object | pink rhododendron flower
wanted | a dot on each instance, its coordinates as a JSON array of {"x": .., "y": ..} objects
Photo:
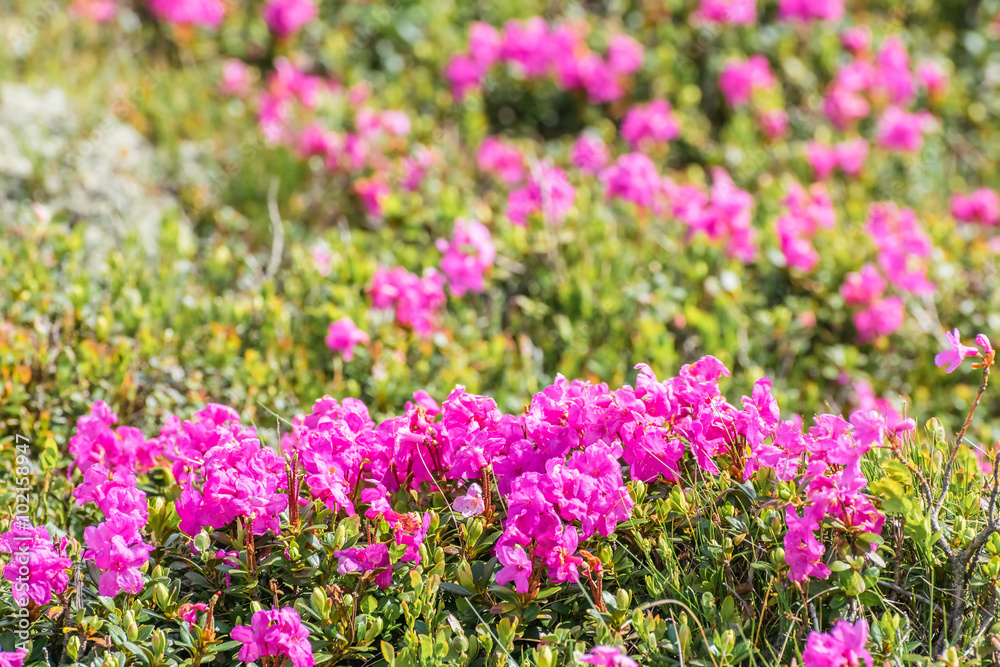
[
  {"x": 468, "y": 256},
  {"x": 982, "y": 206},
  {"x": 634, "y": 178},
  {"x": 343, "y": 336},
  {"x": 36, "y": 570},
  {"x": 95, "y": 442},
  {"x": 851, "y": 155},
  {"x": 893, "y": 71},
  {"x": 808, "y": 10},
  {"x": 589, "y": 153},
  {"x": 285, "y": 17},
  {"x": 861, "y": 288},
  {"x": 516, "y": 567},
  {"x": 484, "y": 44},
  {"x": 899, "y": 130},
  {"x": 235, "y": 78},
  {"x": 808, "y": 211},
  {"x": 880, "y": 319},
  {"x": 464, "y": 74},
  {"x": 774, "y": 123},
  {"x": 624, "y": 54},
  {"x": 206, "y": 13},
  {"x": 739, "y": 79},
  {"x": 984, "y": 342},
  {"x": 13, "y": 658},
  {"x": 275, "y": 632},
  {"x": 373, "y": 194},
  {"x": 934, "y": 77},
  {"x": 953, "y": 355},
  {"x": 416, "y": 299},
  {"x": 502, "y": 159},
  {"x": 822, "y": 159},
  {"x": 189, "y": 613},
  {"x": 373, "y": 558},
  {"x": 607, "y": 656},
  {"x": 101, "y": 11},
  {"x": 844, "y": 646},
  {"x": 650, "y": 124},
  {"x": 470, "y": 503},
  {"x": 118, "y": 550},
  {"x": 525, "y": 45},
  {"x": 732, "y": 12},
  {"x": 548, "y": 191},
  {"x": 904, "y": 247},
  {"x": 416, "y": 166},
  {"x": 857, "y": 39}
]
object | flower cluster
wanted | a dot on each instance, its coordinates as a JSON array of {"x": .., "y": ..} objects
[
  {"x": 741, "y": 78},
  {"x": 278, "y": 633},
  {"x": 547, "y": 191},
  {"x": 286, "y": 17},
  {"x": 981, "y": 206},
  {"x": 116, "y": 544},
  {"x": 205, "y": 13},
  {"x": 843, "y": 646},
  {"x": 414, "y": 299},
  {"x": 36, "y": 569},
  {"x": 225, "y": 472},
  {"x": 467, "y": 257},
  {"x": 646, "y": 125},
  {"x": 808, "y": 211},
  {"x": 95, "y": 443},
  {"x": 849, "y": 155},
  {"x": 904, "y": 251},
  {"x": 537, "y": 50}
]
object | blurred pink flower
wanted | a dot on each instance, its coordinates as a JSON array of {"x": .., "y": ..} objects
[
  {"x": 235, "y": 78},
  {"x": 733, "y": 12},
  {"x": 589, "y": 153},
  {"x": 899, "y": 130},
  {"x": 101, "y": 11},
  {"x": 625, "y": 55},
  {"x": 880, "y": 319},
  {"x": 468, "y": 256},
  {"x": 651, "y": 123},
  {"x": 285, "y": 17},
  {"x": 982, "y": 206},
  {"x": 808, "y": 10},
  {"x": 206, "y": 13},
  {"x": 343, "y": 336},
  {"x": 934, "y": 77},
  {"x": 739, "y": 79},
  {"x": 373, "y": 194},
  {"x": 608, "y": 656}
]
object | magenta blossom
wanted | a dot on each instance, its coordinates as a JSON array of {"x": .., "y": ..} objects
[
  {"x": 285, "y": 17},
  {"x": 469, "y": 255},
  {"x": 516, "y": 568},
  {"x": 844, "y": 646},
  {"x": 648, "y": 124},
  {"x": 344, "y": 335},
  {"x": 589, "y": 153},
  {"x": 471, "y": 503},
  {"x": 982, "y": 206},
  {"x": 235, "y": 78},
  {"x": 275, "y": 632},
  {"x": 607, "y": 656},
  {"x": 13, "y": 659},
  {"x": 953, "y": 355},
  {"x": 36, "y": 570},
  {"x": 733, "y": 12},
  {"x": 206, "y": 13}
]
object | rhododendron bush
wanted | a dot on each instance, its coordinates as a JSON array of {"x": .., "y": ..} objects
[{"x": 440, "y": 333}]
